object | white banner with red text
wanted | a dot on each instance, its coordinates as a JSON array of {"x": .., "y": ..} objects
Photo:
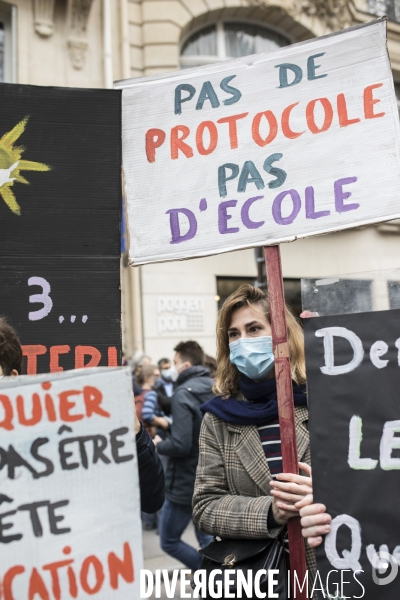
[{"x": 69, "y": 497}]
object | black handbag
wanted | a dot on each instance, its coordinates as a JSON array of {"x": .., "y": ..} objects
[{"x": 245, "y": 555}]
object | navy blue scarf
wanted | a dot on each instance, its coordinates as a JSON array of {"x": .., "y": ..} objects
[{"x": 261, "y": 408}]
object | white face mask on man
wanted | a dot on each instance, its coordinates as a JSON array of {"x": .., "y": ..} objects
[
  {"x": 166, "y": 374},
  {"x": 173, "y": 373}
]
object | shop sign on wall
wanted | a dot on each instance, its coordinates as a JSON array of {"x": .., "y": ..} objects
[
  {"x": 262, "y": 149},
  {"x": 180, "y": 314}
]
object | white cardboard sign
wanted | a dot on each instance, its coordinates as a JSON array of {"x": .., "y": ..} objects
[
  {"x": 262, "y": 149},
  {"x": 69, "y": 498}
]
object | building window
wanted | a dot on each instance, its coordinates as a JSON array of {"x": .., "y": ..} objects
[
  {"x": 394, "y": 294},
  {"x": 391, "y": 8},
  {"x": 292, "y": 290},
  {"x": 227, "y": 285},
  {"x": 336, "y": 296},
  {"x": 397, "y": 92},
  {"x": 8, "y": 16},
  {"x": 229, "y": 39}
]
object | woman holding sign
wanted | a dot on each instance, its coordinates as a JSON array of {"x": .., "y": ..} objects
[{"x": 240, "y": 491}]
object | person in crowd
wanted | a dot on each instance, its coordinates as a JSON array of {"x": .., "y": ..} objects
[
  {"x": 147, "y": 406},
  {"x": 152, "y": 417},
  {"x": 151, "y": 473},
  {"x": 211, "y": 365},
  {"x": 137, "y": 365},
  {"x": 193, "y": 388},
  {"x": 240, "y": 490},
  {"x": 164, "y": 386}
]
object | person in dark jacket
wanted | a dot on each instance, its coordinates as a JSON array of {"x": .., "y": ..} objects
[
  {"x": 151, "y": 472},
  {"x": 164, "y": 386},
  {"x": 193, "y": 388}
]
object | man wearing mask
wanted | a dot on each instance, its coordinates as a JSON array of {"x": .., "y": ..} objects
[
  {"x": 193, "y": 388},
  {"x": 164, "y": 386}
]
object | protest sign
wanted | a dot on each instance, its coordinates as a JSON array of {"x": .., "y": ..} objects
[
  {"x": 262, "y": 149},
  {"x": 69, "y": 499},
  {"x": 60, "y": 236},
  {"x": 353, "y": 379}
]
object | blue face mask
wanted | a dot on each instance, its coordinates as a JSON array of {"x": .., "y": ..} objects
[
  {"x": 166, "y": 374},
  {"x": 254, "y": 357}
]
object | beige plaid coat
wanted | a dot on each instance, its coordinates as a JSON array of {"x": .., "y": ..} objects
[{"x": 232, "y": 492}]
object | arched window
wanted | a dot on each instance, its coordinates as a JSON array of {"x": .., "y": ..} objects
[{"x": 228, "y": 39}]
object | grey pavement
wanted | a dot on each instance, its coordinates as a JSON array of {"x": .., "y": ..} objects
[{"x": 155, "y": 558}]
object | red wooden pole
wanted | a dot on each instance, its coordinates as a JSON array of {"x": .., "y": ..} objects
[{"x": 285, "y": 402}]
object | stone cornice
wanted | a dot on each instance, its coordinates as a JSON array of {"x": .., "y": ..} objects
[
  {"x": 43, "y": 14},
  {"x": 78, "y": 16}
]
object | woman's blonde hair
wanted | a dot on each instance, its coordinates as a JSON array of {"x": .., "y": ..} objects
[
  {"x": 145, "y": 373},
  {"x": 227, "y": 380}
]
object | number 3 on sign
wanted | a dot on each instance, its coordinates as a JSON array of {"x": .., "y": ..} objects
[{"x": 44, "y": 298}]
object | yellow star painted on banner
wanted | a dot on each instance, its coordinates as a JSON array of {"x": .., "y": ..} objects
[{"x": 11, "y": 165}]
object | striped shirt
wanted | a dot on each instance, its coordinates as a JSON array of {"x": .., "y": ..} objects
[
  {"x": 270, "y": 436},
  {"x": 271, "y": 442}
]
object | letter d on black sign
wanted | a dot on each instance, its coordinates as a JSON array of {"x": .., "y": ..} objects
[{"x": 328, "y": 333}]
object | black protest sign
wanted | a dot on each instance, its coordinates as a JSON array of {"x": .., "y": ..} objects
[
  {"x": 60, "y": 205},
  {"x": 353, "y": 377}
]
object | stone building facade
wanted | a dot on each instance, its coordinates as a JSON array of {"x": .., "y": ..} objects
[{"x": 90, "y": 43}]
